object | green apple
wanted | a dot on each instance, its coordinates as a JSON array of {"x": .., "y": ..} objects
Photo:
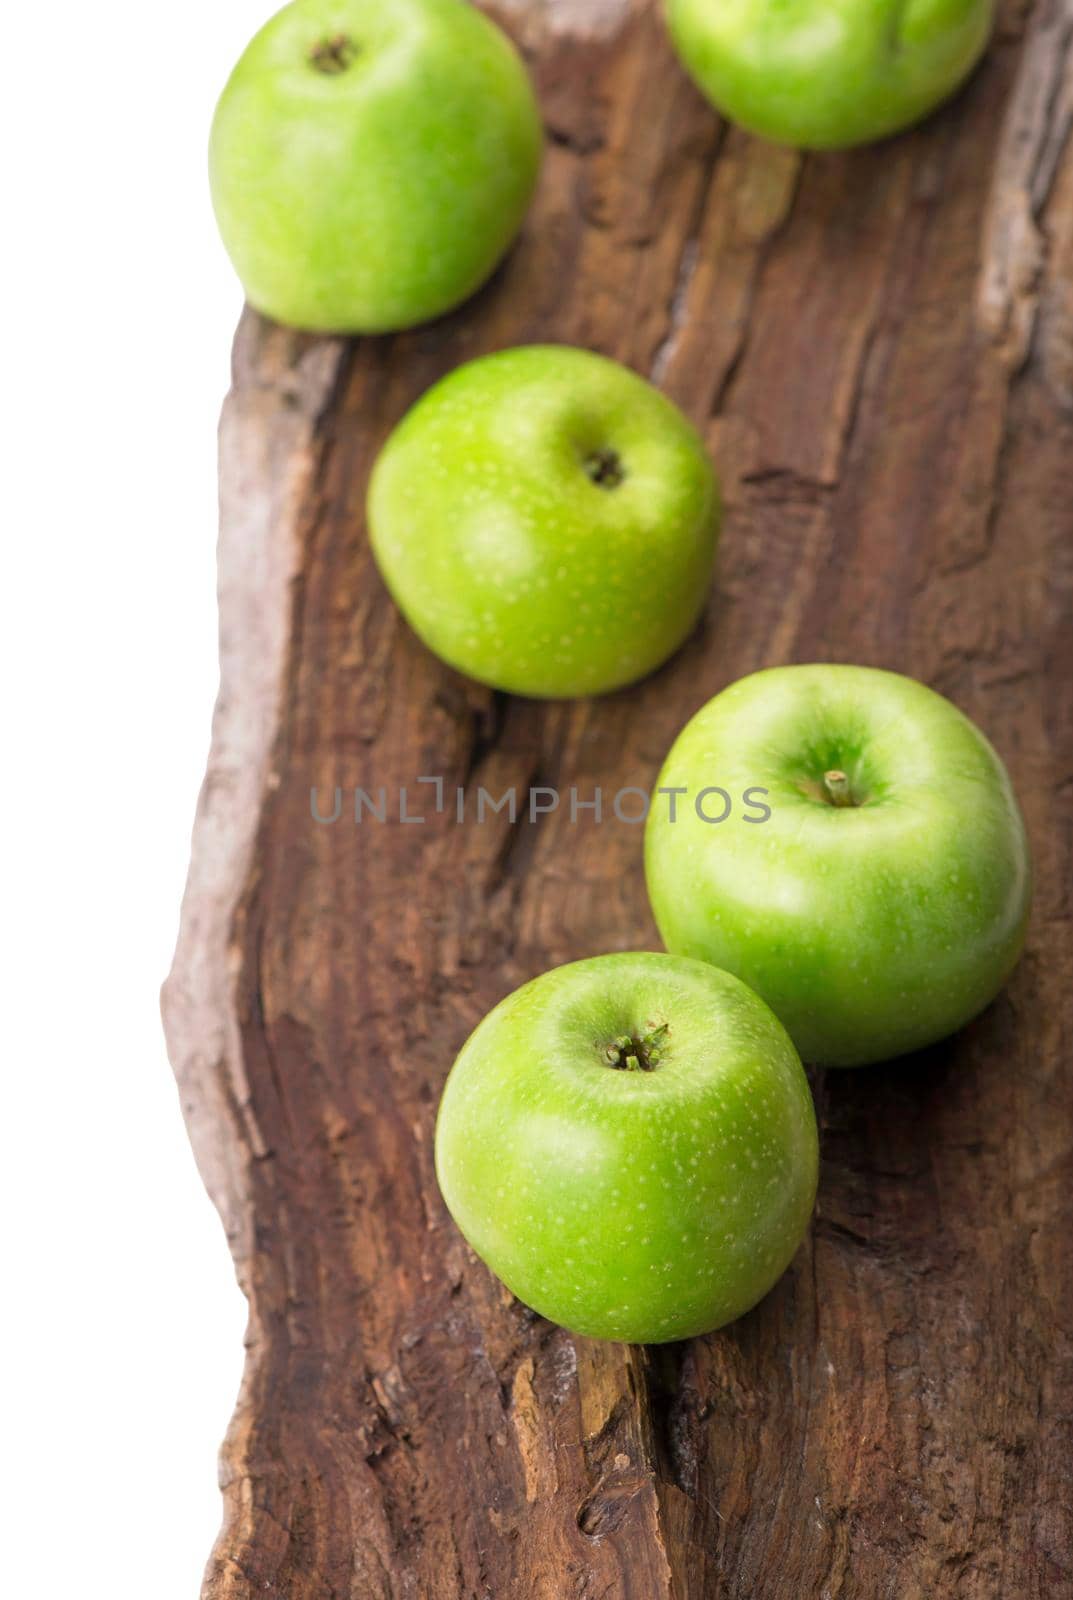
[
  {"x": 371, "y": 162},
  {"x": 629, "y": 1143},
  {"x": 883, "y": 902},
  {"x": 546, "y": 521},
  {"x": 828, "y": 73}
]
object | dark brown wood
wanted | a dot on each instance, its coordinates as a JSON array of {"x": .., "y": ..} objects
[{"x": 880, "y": 348}]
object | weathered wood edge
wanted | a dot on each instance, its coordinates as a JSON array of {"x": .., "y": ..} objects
[{"x": 282, "y": 384}]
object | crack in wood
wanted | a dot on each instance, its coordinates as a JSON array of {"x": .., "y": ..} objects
[{"x": 1035, "y": 133}]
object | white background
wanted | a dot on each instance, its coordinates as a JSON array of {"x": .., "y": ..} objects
[{"x": 122, "y": 1332}]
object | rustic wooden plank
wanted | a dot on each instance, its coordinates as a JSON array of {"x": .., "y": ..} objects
[{"x": 880, "y": 348}]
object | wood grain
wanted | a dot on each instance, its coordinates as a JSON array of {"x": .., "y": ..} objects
[{"x": 879, "y": 346}]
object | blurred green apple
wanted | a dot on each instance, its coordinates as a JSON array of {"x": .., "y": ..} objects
[
  {"x": 546, "y": 522},
  {"x": 370, "y": 162},
  {"x": 629, "y": 1143},
  {"x": 828, "y": 73},
  {"x": 883, "y": 902}
]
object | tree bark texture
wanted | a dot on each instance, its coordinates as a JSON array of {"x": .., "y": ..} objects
[{"x": 879, "y": 348}]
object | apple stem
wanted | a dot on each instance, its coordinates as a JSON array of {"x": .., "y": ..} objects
[
  {"x": 333, "y": 55},
  {"x": 836, "y": 788},
  {"x": 629, "y": 1054},
  {"x": 605, "y": 468}
]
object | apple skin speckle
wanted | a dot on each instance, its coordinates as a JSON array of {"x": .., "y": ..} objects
[
  {"x": 506, "y": 557},
  {"x": 565, "y": 1175}
]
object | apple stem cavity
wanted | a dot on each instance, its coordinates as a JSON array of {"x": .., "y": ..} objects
[
  {"x": 604, "y": 468},
  {"x": 836, "y": 788},
  {"x": 333, "y": 56},
  {"x": 628, "y": 1053}
]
